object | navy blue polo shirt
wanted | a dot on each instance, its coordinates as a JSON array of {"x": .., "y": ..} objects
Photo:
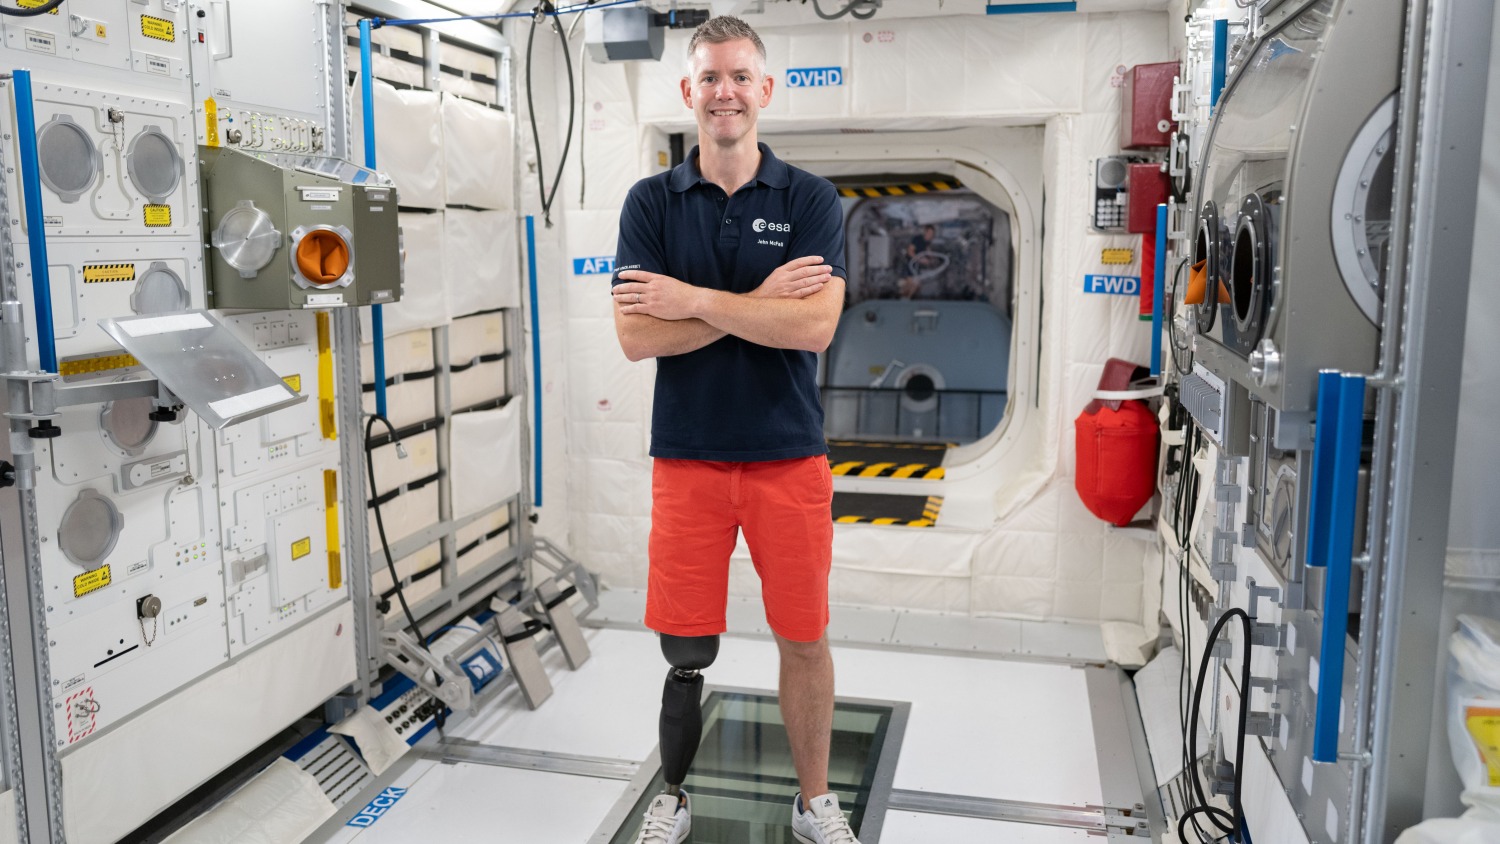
[{"x": 733, "y": 400}]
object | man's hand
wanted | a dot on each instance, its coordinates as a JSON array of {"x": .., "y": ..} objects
[
  {"x": 657, "y": 295},
  {"x": 796, "y": 279}
]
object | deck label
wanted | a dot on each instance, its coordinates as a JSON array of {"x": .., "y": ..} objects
[{"x": 378, "y": 807}]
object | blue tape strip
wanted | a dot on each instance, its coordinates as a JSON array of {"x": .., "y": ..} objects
[
  {"x": 1158, "y": 288},
  {"x": 1345, "y": 484},
  {"x": 1221, "y": 60},
  {"x": 1029, "y": 8},
  {"x": 36, "y": 223},
  {"x": 367, "y": 98},
  {"x": 536, "y": 360}
]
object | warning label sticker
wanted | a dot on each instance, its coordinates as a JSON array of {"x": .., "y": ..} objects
[
  {"x": 211, "y": 118},
  {"x": 294, "y": 381},
  {"x": 34, "y": 4},
  {"x": 301, "y": 548},
  {"x": 1484, "y": 727},
  {"x": 95, "y": 273},
  {"x": 161, "y": 30},
  {"x": 1117, "y": 257},
  {"x": 158, "y": 215},
  {"x": 91, "y": 581}
]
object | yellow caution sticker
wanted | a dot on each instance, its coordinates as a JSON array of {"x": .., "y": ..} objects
[
  {"x": 85, "y": 366},
  {"x": 33, "y": 4},
  {"x": 331, "y": 516},
  {"x": 100, "y": 32},
  {"x": 661, "y": 159},
  {"x": 302, "y": 547},
  {"x": 294, "y": 381},
  {"x": 158, "y": 215},
  {"x": 1484, "y": 727},
  {"x": 1117, "y": 257},
  {"x": 158, "y": 28},
  {"x": 96, "y": 273},
  {"x": 211, "y": 122},
  {"x": 91, "y": 581}
]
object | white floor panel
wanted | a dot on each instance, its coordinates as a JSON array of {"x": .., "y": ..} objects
[
  {"x": 912, "y": 828},
  {"x": 466, "y": 802},
  {"x": 979, "y": 727}
]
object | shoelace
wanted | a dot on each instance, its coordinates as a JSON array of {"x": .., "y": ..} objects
[
  {"x": 658, "y": 829},
  {"x": 835, "y": 830}
]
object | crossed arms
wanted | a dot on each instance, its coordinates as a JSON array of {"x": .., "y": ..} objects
[{"x": 797, "y": 307}]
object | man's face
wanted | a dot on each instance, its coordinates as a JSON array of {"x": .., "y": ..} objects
[{"x": 727, "y": 89}]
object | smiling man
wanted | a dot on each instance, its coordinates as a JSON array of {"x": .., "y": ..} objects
[{"x": 730, "y": 273}]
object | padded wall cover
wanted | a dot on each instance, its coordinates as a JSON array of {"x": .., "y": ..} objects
[
  {"x": 478, "y": 150},
  {"x": 481, "y": 261}
]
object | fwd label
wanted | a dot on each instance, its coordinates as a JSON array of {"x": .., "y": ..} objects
[{"x": 1119, "y": 285}]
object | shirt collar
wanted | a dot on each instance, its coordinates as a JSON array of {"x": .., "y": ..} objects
[{"x": 773, "y": 172}]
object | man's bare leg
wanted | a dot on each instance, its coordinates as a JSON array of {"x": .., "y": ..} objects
[{"x": 807, "y": 708}]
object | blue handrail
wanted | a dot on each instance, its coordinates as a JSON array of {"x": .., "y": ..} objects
[
  {"x": 367, "y": 96},
  {"x": 1221, "y": 60},
  {"x": 536, "y": 360},
  {"x": 1321, "y": 488},
  {"x": 1344, "y": 498},
  {"x": 36, "y": 223},
  {"x": 1159, "y": 289}
]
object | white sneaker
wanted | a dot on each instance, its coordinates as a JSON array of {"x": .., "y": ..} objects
[
  {"x": 667, "y": 820},
  {"x": 823, "y": 822}
]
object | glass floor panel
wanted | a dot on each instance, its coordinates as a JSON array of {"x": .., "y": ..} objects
[{"x": 742, "y": 781}]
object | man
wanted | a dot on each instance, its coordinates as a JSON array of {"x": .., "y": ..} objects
[
  {"x": 730, "y": 274},
  {"x": 918, "y": 258}
]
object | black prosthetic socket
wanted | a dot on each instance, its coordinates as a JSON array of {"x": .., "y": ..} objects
[
  {"x": 681, "y": 709},
  {"x": 681, "y": 723}
]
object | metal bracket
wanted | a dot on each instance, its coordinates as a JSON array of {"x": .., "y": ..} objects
[
  {"x": 1262, "y": 724},
  {"x": 521, "y": 657},
  {"x": 554, "y": 605}
]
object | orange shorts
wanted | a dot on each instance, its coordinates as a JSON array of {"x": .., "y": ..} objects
[{"x": 698, "y": 508}]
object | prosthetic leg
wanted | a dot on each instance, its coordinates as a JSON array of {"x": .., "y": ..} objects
[{"x": 681, "y": 703}]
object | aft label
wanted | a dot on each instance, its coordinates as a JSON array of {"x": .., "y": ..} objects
[
  {"x": 594, "y": 266},
  {"x": 1116, "y": 285},
  {"x": 814, "y": 77}
]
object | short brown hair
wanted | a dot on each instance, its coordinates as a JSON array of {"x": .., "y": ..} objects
[{"x": 724, "y": 28}]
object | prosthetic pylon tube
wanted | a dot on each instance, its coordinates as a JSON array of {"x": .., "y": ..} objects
[{"x": 681, "y": 723}]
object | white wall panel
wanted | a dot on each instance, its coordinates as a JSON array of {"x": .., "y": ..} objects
[
  {"x": 486, "y": 458},
  {"x": 408, "y": 142},
  {"x": 305, "y": 667},
  {"x": 481, "y": 261},
  {"x": 424, "y": 299},
  {"x": 477, "y": 145}
]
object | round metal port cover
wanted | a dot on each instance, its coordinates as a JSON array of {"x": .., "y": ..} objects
[
  {"x": 247, "y": 238},
  {"x": 89, "y": 529},
  {"x": 154, "y": 165},
  {"x": 69, "y": 159},
  {"x": 127, "y": 423},
  {"x": 159, "y": 291}
]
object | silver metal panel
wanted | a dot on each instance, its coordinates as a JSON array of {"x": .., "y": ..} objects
[
  {"x": 1454, "y": 70},
  {"x": 205, "y": 365},
  {"x": 525, "y": 663},
  {"x": 1120, "y": 772},
  {"x": 353, "y": 495},
  {"x": 452, "y": 750},
  {"x": 564, "y": 624}
]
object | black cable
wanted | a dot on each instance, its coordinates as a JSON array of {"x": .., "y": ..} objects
[
  {"x": 380, "y": 523},
  {"x": 857, "y": 8},
  {"x": 1180, "y": 353},
  {"x": 31, "y": 13},
  {"x": 542, "y": 11},
  {"x": 1216, "y": 815}
]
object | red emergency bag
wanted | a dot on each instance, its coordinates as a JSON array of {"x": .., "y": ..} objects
[{"x": 1118, "y": 437}]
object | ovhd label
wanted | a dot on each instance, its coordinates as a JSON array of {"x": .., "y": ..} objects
[
  {"x": 594, "y": 266},
  {"x": 377, "y": 808},
  {"x": 1118, "y": 285},
  {"x": 814, "y": 77}
]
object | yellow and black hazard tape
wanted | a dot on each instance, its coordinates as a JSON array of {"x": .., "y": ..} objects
[
  {"x": 903, "y": 190},
  {"x": 96, "y": 273},
  {"x": 929, "y": 517},
  {"x": 859, "y": 469}
]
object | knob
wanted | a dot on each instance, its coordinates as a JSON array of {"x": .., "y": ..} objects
[
  {"x": 1265, "y": 364},
  {"x": 44, "y": 430},
  {"x": 163, "y": 414},
  {"x": 7, "y": 474},
  {"x": 148, "y": 607}
]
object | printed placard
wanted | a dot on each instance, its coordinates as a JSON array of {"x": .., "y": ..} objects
[
  {"x": 158, "y": 216},
  {"x": 1117, "y": 257},
  {"x": 301, "y": 548},
  {"x": 814, "y": 77},
  {"x": 604, "y": 265},
  {"x": 294, "y": 381},
  {"x": 377, "y": 807},
  {"x": 161, "y": 30},
  {"x": 91, "y": 581}
]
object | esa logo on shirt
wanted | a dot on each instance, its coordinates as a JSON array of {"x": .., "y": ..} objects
[{"x": 761, "y": 225}]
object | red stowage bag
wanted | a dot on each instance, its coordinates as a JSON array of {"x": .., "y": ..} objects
[{"x": 1117, "y": 448}]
